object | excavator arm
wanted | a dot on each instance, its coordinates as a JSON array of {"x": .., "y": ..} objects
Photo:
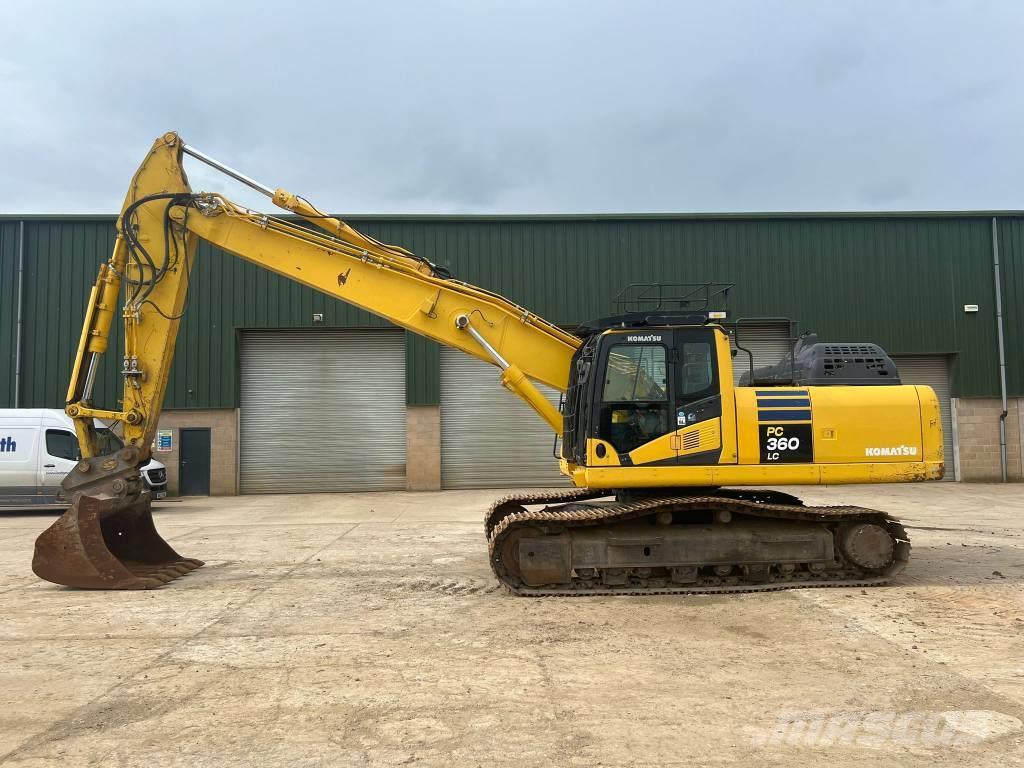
[{"x": 107, "y": 539}]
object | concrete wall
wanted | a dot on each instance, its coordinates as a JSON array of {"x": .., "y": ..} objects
[
  {"x": 423, "y": 448},
  {"x": 978, "y": 432},
  {"x": 976, "y": 419},
  {"x": 223, "y": 426}
]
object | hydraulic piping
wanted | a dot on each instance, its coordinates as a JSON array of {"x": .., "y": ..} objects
[{"x": 1002, "y": 348}]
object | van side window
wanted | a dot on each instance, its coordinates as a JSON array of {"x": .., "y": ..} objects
[{"x": 62, "y": 444}]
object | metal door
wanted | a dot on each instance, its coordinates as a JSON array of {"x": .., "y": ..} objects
[
  {"x": 194, "y": 462},
  {"x": 489, "y": 437},
  {"x": 322, "y": 410},
  {"x": 769, "y": 342},
  {"x": 933, "y": 370}
]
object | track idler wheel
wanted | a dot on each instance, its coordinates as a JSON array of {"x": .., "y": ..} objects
[
  {"x": 108, "y": 543},
  {"x": 867, "y": 545}
]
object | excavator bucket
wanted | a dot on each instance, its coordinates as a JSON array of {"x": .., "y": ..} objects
[{"x": 108, "y": 543}]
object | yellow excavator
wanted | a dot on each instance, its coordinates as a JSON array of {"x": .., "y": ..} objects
[{"x": 667, "y": 457}]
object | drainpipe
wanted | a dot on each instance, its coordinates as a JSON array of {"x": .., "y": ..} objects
[
  {"x": 21, "y": 295},
  {"x": 1002, "y": 349}
]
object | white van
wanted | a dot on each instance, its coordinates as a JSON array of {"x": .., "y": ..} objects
[{"x": 38, "y": 447}]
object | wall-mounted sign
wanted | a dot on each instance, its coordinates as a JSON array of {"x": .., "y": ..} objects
[{"x": 164, "y": 440}]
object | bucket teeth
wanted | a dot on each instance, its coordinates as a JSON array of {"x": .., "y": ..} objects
[
  {"x": 108, "y": 544},
  {"x": 174, "y": 570}
]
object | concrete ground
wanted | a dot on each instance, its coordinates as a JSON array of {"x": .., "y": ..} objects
[{"x": 366, "y": 629}]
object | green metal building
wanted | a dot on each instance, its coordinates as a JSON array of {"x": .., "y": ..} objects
[{"x": 255, "y": 350}]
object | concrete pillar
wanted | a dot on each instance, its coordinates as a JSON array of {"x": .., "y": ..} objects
[
  {"x": 423, "y": 448},
  {"x": 1020, "y": 435},
  {"x": 978, "y": 434}
]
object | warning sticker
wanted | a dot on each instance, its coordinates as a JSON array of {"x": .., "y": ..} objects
[{"x": 164, "y": 441}]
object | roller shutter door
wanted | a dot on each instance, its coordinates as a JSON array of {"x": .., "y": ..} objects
[
  {"x": 489, "y": 437},
  {"x": 932, "y": 370},
  {"x": 322, "y": 411},
  {"x": 769, "y": 342}
]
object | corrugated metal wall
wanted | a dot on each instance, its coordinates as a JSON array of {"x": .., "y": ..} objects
[
  {"x": 899, "y": 281},
  {"x": 1011, "y": 252},
  {"x": 8, "y": 308},
  {"x": 61, "y": 260}
]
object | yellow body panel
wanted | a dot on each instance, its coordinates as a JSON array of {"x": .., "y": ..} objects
[
  {"x": 696, "y": 438},
  {"x": 730, "y": 447},
  {"x": 594, "y": 457},
  {"x": 931, "y": 425},
  {"x": 855, "y": 425},
  {"x": 755, "y": 475},
  {"x": 842, "y": 434}
]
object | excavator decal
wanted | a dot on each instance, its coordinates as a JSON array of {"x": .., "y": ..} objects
[{"x": 792, "y": 443}]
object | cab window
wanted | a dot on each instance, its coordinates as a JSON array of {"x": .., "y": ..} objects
[
  {"x": 636, "y": 372},
  {"x": 635, "y": 407},
  {"x": 698, "y": 372},
  {"x": 62, "y": 444}
]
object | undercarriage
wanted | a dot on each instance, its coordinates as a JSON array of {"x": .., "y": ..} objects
[{"x": 585, "y": 542}]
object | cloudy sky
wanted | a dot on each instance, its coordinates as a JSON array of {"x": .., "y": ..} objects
[{"x": 549, "y": 107}]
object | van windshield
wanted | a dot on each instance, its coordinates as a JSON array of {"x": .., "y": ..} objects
[{"x": 108, "y": 442}]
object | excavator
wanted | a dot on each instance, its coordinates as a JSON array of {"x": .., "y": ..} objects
[{"x": 668, "y": 460}]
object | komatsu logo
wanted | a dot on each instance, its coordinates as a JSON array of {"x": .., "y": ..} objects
[
  {"x": 7, "y": 445},
  {"x": 893, "y": 450},
  {"x": 648, "y": 337}
]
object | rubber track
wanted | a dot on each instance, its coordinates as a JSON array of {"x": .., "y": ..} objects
[
  {"x": 506, "y": 505},
  {"x": 508, "y": 513}
]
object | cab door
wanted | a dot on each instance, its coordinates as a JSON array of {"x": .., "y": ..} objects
[
  {"x": 698, "y": 397},
  {"x": 633, "y": 408}
]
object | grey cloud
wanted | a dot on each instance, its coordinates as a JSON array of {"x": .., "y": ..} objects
[
  {"x": 886, "y": 192},
  {"x": 523, "y": 107}
]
